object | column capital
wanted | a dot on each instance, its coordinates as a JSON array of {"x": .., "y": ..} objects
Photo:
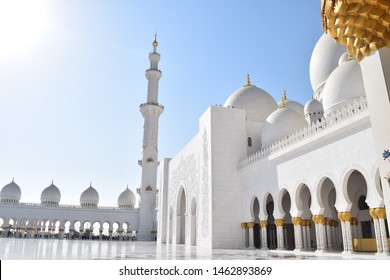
[
  {"x": 373, "y": 213},
  {"x": 263, "y": 224},
  {"x": 243, "y": 225},
  {"x": 347, "y": 216},
  {"x": 340, "y": 216},
  {"x": 380, "y": 212},
  {"x": 279, "y": 222},
  {"x": 297, "y": 221},
  {"x": 251, "y": 225}
]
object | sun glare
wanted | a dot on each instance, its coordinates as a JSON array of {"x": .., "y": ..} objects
[{"x": 20, "y": 24}]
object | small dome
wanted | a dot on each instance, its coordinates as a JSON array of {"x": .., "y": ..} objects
[
  {"x": 89, "y": 197},
  {"x": 293, "y": 105},
  {"x": 324, "y": 60},
  {"x": 51, "y": 195},
  {"x": 126, "y": 199},
  {"x": 257, "y": 103},
  {"x": 343, "y": 86},
  {"x": 280, "y": 124},
  {"x": 343, "y": 58},
  {"x": 10, "y": 193},
  {"x": 313, "y": 106}
]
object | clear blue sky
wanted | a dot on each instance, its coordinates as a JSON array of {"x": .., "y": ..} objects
[{"x": 69, "y": 98}]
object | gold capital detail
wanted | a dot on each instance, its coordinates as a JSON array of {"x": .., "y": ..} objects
[
  {"x": 263, "y": 224},
  {"x": 243, "y": 225},
  {"x": 279, "y": 222},
  {"x": 340, "y": 216},
  {"x": 297, "y": 221},
  {"x": 251, "y": 225},
  {"x": 373, "y": 214},
  {"x": 380, "y": 212},
  {"x": 347, "y": 216}
]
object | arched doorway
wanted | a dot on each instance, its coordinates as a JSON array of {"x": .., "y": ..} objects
[
  {"x": 271, "y": 228},
  {"x": 181, "y": 217},
  {"x": 288, "y": 227},
  {"x": 255, "y": 217}
]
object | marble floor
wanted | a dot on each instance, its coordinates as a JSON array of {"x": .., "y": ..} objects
[{"x": 53, "y": 249}]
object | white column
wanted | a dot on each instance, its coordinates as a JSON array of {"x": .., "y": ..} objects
[
  {"x": 279, "y": 234},
  {"x": 308, "y": 234},
  {"x": 297, "y": 222},
  {"x": 345, "y": 217},
  {"x": 328, "y": 228},
  {"x": 377, "y": 231},
  {"x": 334, "y": 224},
  {"x": 304, "y": 235},
  {"x": 263, "y": 226},
  {"x": 381, "y": 213},
  {"x": 251, "y": 229},
  {"x": 244, "y": 239}
]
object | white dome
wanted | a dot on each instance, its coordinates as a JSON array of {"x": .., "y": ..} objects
[
  {"x": 313, "y": 106},
  {"x": 293, "y": 105},
  {"x": 257, "y": 103},
  {"x": 280, "y": 124},
  {"x": 343, "y": 86},
  {"x": 324, "y": 60},
  {"x": 10, "y": 193},
  {"x": 51, "y": 194},
  {"x": 89, "y": 197},
  {"x": 126, "y": 199}
]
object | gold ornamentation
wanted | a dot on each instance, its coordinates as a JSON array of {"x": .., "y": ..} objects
[
  {"x": 363, "y": 26},
  {"x": 263, "y": 224},
  {"x": 380, "y": 212},
  {"x": 341, "y": 217},
  {"x": 373, "y": 214},
  {"x": 279, "y": 222},
  {"x": 347, "y": 216},
  {"x": 297, "y": 221},
  {"x": 248, "y": 80},
  {"x": 251, "y": 225},
  {"x": 155, "y": 43},
  {"x": 243, "y": 225}
]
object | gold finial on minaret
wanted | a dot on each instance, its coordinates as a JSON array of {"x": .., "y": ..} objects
[
  {"x": 350, "y": 57},
  {"x": 248, "y": 80},
  {"x": 155, "y": 43}
]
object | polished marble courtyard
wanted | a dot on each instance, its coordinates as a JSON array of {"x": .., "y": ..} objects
[{"x": 54, "y": 249}]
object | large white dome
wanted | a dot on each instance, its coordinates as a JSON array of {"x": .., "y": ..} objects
[
  {"x": 89, "y": 197},
  {"x": 126, "y": 199},
  {"x": 10, "y": 193},
  {"x": 324, "y": 59},
  {"x": 257, "y": 103},
  {"x": 51, "y": 195},
  {"x": 281, "y": 123},
  {"x": 343, "y": 86}
]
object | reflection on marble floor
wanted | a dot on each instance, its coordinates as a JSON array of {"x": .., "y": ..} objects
[{"x": 47, "y": 249}]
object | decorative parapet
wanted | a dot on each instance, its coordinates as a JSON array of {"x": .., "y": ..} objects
[
  {"x": 362, "y": 26},
  {"x": 310, "y": 130}
]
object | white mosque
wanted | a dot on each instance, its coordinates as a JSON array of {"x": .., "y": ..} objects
[
  {"x": 258, "y": 174},
  {"x": 280, "y": 175}
]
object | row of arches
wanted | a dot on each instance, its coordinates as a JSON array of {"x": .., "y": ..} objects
[
  {"x": 329, "y": 219},
  {"x": 182, "y": 225},
  {"x": 45, "y": 228}
]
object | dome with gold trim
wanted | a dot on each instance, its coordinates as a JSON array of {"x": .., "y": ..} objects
[{"x": 257, "y": 103}]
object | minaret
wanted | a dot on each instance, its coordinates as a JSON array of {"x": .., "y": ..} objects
[{"x": 151, "y": 111}]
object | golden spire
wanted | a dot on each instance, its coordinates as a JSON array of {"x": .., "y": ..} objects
[
  {"x": 155, "y": 43},
  {"x": 248, "y": 80},
  {"x": 284, "y": 98}
]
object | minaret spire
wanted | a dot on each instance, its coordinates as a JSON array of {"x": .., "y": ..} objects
[{"x": 151, "y": 111}]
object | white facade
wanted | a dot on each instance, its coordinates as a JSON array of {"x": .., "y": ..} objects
[{"x": 259, "y": 176}]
